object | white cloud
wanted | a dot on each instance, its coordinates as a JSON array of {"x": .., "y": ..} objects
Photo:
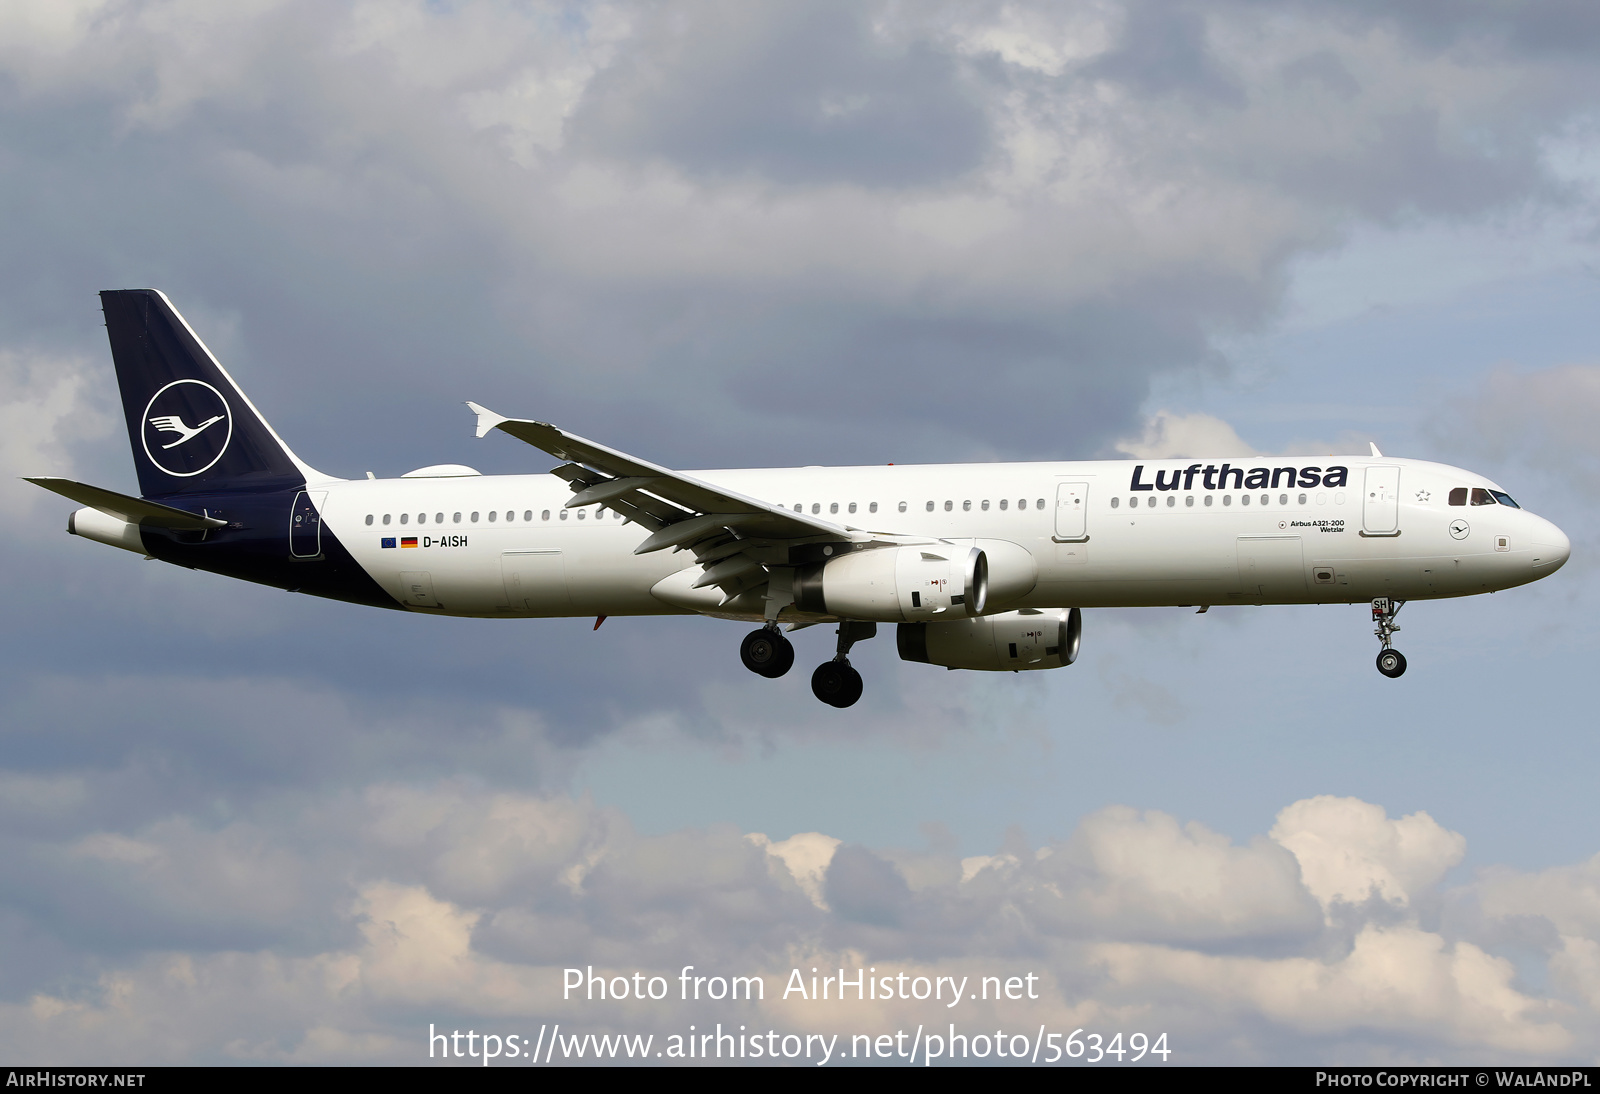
[
  {"x": 1135, "y": 921},
  {"x": 1171, "y": 436},
  {"x": 1349, "y": 850},
  {"x": 45, "y": 408}
]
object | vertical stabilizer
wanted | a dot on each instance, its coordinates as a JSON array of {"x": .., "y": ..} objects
[{"x": 192, "y": 429}]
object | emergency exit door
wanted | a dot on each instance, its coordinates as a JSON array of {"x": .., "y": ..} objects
[{"x": 1072, "y": 512}]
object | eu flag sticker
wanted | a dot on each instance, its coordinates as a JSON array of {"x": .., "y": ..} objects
[{"x": 387, "y": 541}]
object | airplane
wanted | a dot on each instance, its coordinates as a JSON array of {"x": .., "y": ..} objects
[{"x": 979, "y": 566}]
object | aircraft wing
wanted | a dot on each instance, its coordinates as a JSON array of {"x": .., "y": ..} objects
[
  {"x": 133, "y": 510},
  {"x": 730, "y": 534}
]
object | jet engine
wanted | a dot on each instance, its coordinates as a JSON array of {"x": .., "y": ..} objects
[
  {"x": 888, "y": 584},
  {"x": 1010, "y": 642},
  {"x": 932, "y": 581}
]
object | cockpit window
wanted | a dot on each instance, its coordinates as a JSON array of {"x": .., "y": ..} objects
[
  {"x": 1481, "y": 496},
  {"x": 1504, "y": 499},
  {"x": 1458, "y": 496}
]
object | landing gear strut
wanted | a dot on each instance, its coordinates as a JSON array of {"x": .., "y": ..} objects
[
  {"x": 767, "y": 653},
  {"x": 1391, "y": 662},
  {"x": 836, "y": 682}
]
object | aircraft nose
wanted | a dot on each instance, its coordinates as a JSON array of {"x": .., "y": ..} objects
[{"x": 1551, "y": 548}]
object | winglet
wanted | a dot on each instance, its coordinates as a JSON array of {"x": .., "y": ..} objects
[
  {"x": 1374, "y": 445},
  {"x": 487, "y": 419}
]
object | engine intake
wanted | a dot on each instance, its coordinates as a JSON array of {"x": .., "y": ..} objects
[{"x": 1009, "y": 642}]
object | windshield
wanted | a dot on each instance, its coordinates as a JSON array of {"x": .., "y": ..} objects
[{"x": 1504, "y": 499}]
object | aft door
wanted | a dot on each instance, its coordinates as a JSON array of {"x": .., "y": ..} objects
[
  {"x": 305, "y": 525},
  {"x": 1072, "y": 512},
  {"x": 1380, "y": 502}
]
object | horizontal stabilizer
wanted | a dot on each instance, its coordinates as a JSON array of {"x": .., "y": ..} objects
[{"x": 149, "y": 514}]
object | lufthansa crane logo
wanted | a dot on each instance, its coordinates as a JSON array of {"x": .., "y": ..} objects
[{"x": 187, "y": 427}]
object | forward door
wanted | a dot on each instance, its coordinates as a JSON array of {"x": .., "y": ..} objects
[{"x": 1380, "y": 502}]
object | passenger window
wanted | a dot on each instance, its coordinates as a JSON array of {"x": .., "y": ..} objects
[
  {"x": 902, "y": 507},
  {"x": 816, "y": 507},
  {"x": 1209, "y": 499},
  {"x": 369, "y": 519},
  {"x": 1151, "y": 503},
  {"x": 386, "y": 518},
  {"x": 966, "y": 506},
  {"x": 457, "y": 517},
  {"x": 528, "y": 515},
  {"x": 474, "y": 518},
  {"x": 930, "y": 507},
  {"x": 948, "y": 505},
  {"x": 1022, "y": 503},
  {"x": 1189, "y": 501},
  {"x": 1458, "y": 496},
  {"x": 1227, "y": 499},
  {"x": 1244, "y": 499},
  {"x": 852, "y": 507},
  {"x": 583, "y": 514},
  {"x": 1004, "y": 502},
  {"x": 1115, "y": 502},
  {"x": 564, "y": 514},
  {"x": 545, "y": 515},
  {"x": 1040, "y": 503},
  {"x": 422, "y": 518},
  {"x": 985, "y": 505},
  {"x": 1481, "y": 496},
  {"x": 405, "y": 518},
  {"x": 492, "y": 516},
  {"x": 513, "y": 516},
  {"x": 1283, "y": 499},
  {"x": 438, "y": 518},
  {"x": 1265, "y": 498},
  {"x": 873, "y": 507},
  {"x": 1171, "y": 501},
  {"x": 1302, "y": 499},
  {"x": 833, "y": 507}
]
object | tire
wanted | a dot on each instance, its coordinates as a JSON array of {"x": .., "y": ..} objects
[
  {"x": 766, "y": 653},
  {"x": 836, "y": 684},
  {"x": 1392, "y": 663}
]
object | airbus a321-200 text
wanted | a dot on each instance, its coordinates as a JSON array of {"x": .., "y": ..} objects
[{"x": 978, "y": 566}]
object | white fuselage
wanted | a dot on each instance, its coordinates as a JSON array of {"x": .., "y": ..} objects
[{"x": 504, "y": 545}]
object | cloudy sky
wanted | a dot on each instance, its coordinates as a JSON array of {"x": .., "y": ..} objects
[{"x": 240, "y": 826}]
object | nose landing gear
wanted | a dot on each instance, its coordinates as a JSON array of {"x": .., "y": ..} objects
[
  {"x": 1391, "y": 662},
  {"x": 767, "y": 653},
  {"x": 836, "y": 682}
]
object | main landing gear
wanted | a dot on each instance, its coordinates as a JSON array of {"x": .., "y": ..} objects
[
  {"x": 766, "y": 652},
  {"x": 836, "y": 682},
  {"x": 1391, "y": 662}
]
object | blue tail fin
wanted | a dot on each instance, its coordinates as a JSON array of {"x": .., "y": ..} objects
[{"x": 192, "y": 429}]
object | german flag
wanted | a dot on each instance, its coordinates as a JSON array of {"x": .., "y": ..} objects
[{"x": 408, "y": 541}]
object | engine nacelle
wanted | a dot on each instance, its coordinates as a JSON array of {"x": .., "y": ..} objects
[
  {"x": 1010, "y": 642},
  {"x": 891, "y": 584}
]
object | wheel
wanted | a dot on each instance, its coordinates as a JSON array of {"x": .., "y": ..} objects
[
  {"x": 1392, "y": 663},
  {"x": 836, "y": 683},
  {"x": 766, "y": 653}
]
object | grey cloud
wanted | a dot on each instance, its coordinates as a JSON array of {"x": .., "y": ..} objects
[
  {"x": 1162, "y": 50},
  {"x": 802, "y": 94}
]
